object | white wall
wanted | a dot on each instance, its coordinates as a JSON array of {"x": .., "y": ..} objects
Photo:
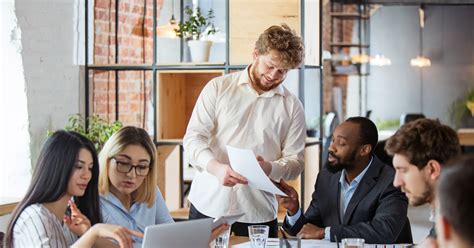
[
  {"x": 448, "y": 40},
  {"x": 49, "y": 40},
  {"x": 43, "y": 73}
]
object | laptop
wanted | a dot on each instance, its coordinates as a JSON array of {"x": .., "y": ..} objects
[{"x": 184, "y": 234}]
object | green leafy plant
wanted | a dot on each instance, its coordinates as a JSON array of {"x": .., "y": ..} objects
[
  {"x": 461, "y": 107},
  {"x": 312, "y": 126},
  {"x": 387, "y": 124},
  {"x": 312, "y": 123},
  {"x": 196, "y": 25},
  {"x": 98, "y": 130}
]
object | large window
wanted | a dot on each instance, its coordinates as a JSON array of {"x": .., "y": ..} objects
[{"x": 15, "y": 163}]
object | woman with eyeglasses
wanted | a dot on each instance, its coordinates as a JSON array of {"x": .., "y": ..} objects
[
  {"x": 67, "y": 168},
  {"x": 128, "y": 183}
]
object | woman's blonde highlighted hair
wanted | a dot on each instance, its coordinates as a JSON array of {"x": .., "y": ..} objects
[{"x": 117, "y": 142}]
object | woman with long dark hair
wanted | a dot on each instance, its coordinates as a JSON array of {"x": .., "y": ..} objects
[{"x": 66, "y": 168}]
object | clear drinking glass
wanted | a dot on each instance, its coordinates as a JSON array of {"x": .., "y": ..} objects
[
  {"x": 258, "y": 235},
  {"x": 353, "y": 243},
  {"x": 290, "y": 242},
  {"x": 222, "y": 241}
]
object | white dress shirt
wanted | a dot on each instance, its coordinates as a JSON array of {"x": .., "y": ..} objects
[
  {"x": 230, "y": 112},
  {"x": 38, "y": 227}
]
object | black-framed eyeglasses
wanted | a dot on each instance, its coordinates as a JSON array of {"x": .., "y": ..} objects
[{"x": 126, "y": 167}]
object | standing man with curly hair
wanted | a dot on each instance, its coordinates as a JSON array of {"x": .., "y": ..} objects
[
  {"x": 420, "y": 149},
  {"x": 249, "y": 109}
]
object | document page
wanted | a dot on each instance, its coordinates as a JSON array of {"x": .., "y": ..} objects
[{"x": 245, "y": 163}]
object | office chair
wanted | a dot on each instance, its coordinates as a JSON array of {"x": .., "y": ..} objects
[
  {"x": 330, "y": 123},
  {"x": 407, "y": 117}
]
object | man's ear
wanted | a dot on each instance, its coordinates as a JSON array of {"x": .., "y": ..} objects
[
  {"x": 254, "y": 54},
  {"x": 434, "y": 169},
  {"x": 365, "y": 150}
]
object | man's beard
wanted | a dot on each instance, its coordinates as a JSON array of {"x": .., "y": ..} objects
[
  {"x": 423, "y": 198},
  {"x": 338, "y": 164},
  {"x": 256, "y": 80}
]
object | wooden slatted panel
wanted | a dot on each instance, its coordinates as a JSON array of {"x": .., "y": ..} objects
[{"x": 249, "y": 18}]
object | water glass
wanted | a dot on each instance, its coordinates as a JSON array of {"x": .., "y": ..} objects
[
  {"x": 353, "y": 243},
  {"x": 222, "y": 241},
  {"x": 258, "y": 235},
  {"x": 290, "y": 242}
]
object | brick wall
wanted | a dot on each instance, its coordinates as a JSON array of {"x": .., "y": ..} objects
[
  {"x": 135, "y": 47},
  {"x": 331, "y": 81},
  {"x": 135, "y": 43}
]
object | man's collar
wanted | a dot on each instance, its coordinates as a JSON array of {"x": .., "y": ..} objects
[{"x": 359, "y": 177}]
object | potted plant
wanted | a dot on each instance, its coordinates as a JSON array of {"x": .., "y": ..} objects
[
  {"x": 462, "y": 110},
  {"x": 194, "y": 29},
  {"x": 312, "y": 126},
  {"x": 98, "y": 130}
]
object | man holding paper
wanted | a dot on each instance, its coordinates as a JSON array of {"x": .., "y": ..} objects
[
  {"x": 250, "y": 109},
  {"x": 354, "y": 197}
]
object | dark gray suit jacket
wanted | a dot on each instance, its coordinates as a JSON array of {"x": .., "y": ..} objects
[{"x": 377, "y": 212}]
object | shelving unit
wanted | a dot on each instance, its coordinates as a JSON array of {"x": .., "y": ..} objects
[
  {"x": 346, "y": 14},
  {"x": 176, "y": 87}
]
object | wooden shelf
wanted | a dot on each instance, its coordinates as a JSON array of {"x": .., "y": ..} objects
[
  {"x": 7, "y": 205},
  {"x": 120, "y": 67},
  {"x": 466, "y": 136},
  {"x": 342, "y": 44},
  {"x": 338, "y": 74},
  {"x": 160, "y": 142},
  {"x": 348, "y": 15},
  {"x": 162, "y": 67}
]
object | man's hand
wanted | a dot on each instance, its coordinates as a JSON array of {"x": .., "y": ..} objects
[
  {"x": 290, "y": 203},
  {"x": 310, "y": 231},
  {"x": 266, "y": 166},
  {"x": 218, "y": 231},
  {"x": 225, "y": 174}
]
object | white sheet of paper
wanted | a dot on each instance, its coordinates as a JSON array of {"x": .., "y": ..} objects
[{"x": 245, "y": 163}]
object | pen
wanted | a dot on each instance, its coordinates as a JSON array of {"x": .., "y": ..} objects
[
  {"x": 337, "y": 242},
  {"x": 287, "y": 244}
]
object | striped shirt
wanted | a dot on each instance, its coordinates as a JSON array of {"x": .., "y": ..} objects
[{"x": 38, "y": 227}]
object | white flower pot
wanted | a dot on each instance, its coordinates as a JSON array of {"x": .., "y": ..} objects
[{"x": 200, "y": 50}]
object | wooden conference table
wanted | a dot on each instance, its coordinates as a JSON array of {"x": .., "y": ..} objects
[
  {"x": 235, "y": 240},
  {"x": 466, "y": 136}
]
